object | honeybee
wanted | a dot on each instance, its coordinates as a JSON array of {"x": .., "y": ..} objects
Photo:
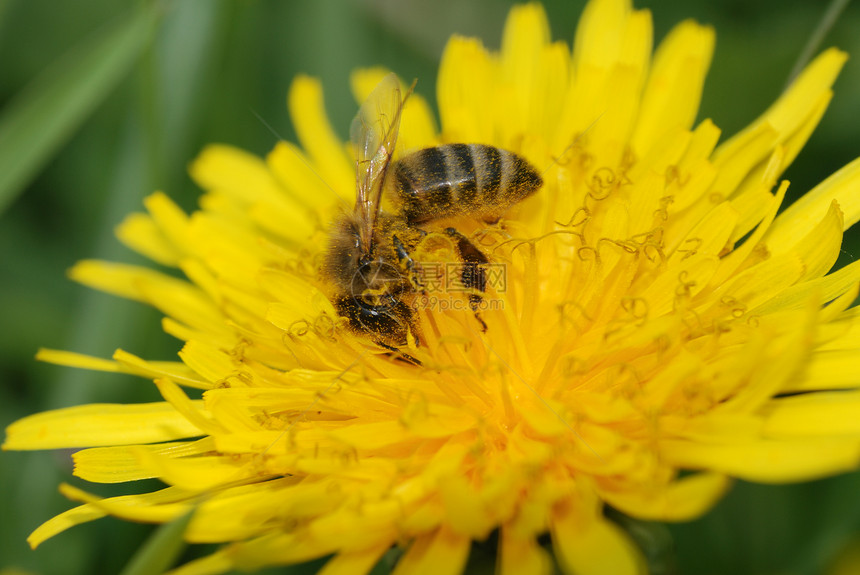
[{"x": 368, "y": 263}]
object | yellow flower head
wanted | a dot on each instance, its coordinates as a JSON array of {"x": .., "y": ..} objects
[{"x": 649, "y": 326}]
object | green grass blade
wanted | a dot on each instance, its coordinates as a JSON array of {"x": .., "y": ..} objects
[
  {"x": 161, "y": 549},
  {"x": 46, "y": 113}
]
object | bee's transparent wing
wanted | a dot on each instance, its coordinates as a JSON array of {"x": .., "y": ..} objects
[{"x": 374, "y": 135}]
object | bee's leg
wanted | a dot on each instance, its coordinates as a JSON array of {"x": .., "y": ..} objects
[
  {"x": 474, "y": 274},
  {"x": 406, "y": 261},
  {"x": 399, "y": 354},
  {"x": 403, "y": 254}
]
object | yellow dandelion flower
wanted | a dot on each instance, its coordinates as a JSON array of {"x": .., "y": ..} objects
[{"x": 657, "y": 326}]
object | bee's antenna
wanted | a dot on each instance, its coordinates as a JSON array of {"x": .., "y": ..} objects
[
  {"x": 410, "y": 89},
  {"x": 267, "y": 125},
  {"x": 573, "y": 143},
  {"x": 299, "y": 156}
]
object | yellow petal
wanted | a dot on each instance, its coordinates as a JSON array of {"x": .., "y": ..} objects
[
  {"x": 824, "y": 288},
  {"x": 305, "y": 102},
  {"x": 372, "y": 435},
  {"x": 214, "y": 564},
  {"x": 753, "y": 199},
  {"x": 783, "y": 361},
  {"x": 596, "y": 547},
  {"x": 600, "y": 37},
  {"x": 693, "y": 176},
  {"x": 67, "y": 519},
  {"x": 804, "y": 214},
  {"x": 235, "y": 172},
  {"x": 830, "y": 369},
  {"x": 710, "y": 236},
  {"x": 760, "y": 284},
  {"x": 795, "y": 142},
  {"x": 99, "y": 424},
  {"x": 465, "y": 76},
  {"x": 734, "y": 260},
  {"x": 277, "y": 547},
  {"x": 612, "y": 51},
  {"x": 175, "y": 371},
  {"x": 80, "y": 360},
  {"x": 674, "y": 87},
  {"x": 529, "y": 70},
  {"x": 831, "y": 414},
  {"x": 117, "y": 464},
  {"x": 465, "y": 509},
  {"x": 239, "y": 512},
  {"x": 171, "y": 220},
  {"x": 368, "y": 527},
  {"x": 354, "y": 563},
  {"x": 158, "y": 507},
  {"x": 735, "y": 164},
  {"x": 768, "y": 461},
  {"x": 296, "y": 173},
  {"x": 822, "y": 245},
  {"x": 682, "y": 500},
  {"x": 297, "y": 300},
  {"x": 140, "y": 233},
  {"x": 189, "y": 409},
  {"x": 198, "y": 474},
  {"x": 174, "y": 297},
  {"x": 440, "y": 553},
  {"x": 518, "y": 555},
  {"x": 211, "y": 362},
  {"x": 165, "y": 498}
]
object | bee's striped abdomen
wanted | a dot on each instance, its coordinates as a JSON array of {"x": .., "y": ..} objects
[{"x": 460, "y": 179}]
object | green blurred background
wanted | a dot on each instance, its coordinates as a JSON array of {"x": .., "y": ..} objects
[{"x": 104, "y": 101}]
